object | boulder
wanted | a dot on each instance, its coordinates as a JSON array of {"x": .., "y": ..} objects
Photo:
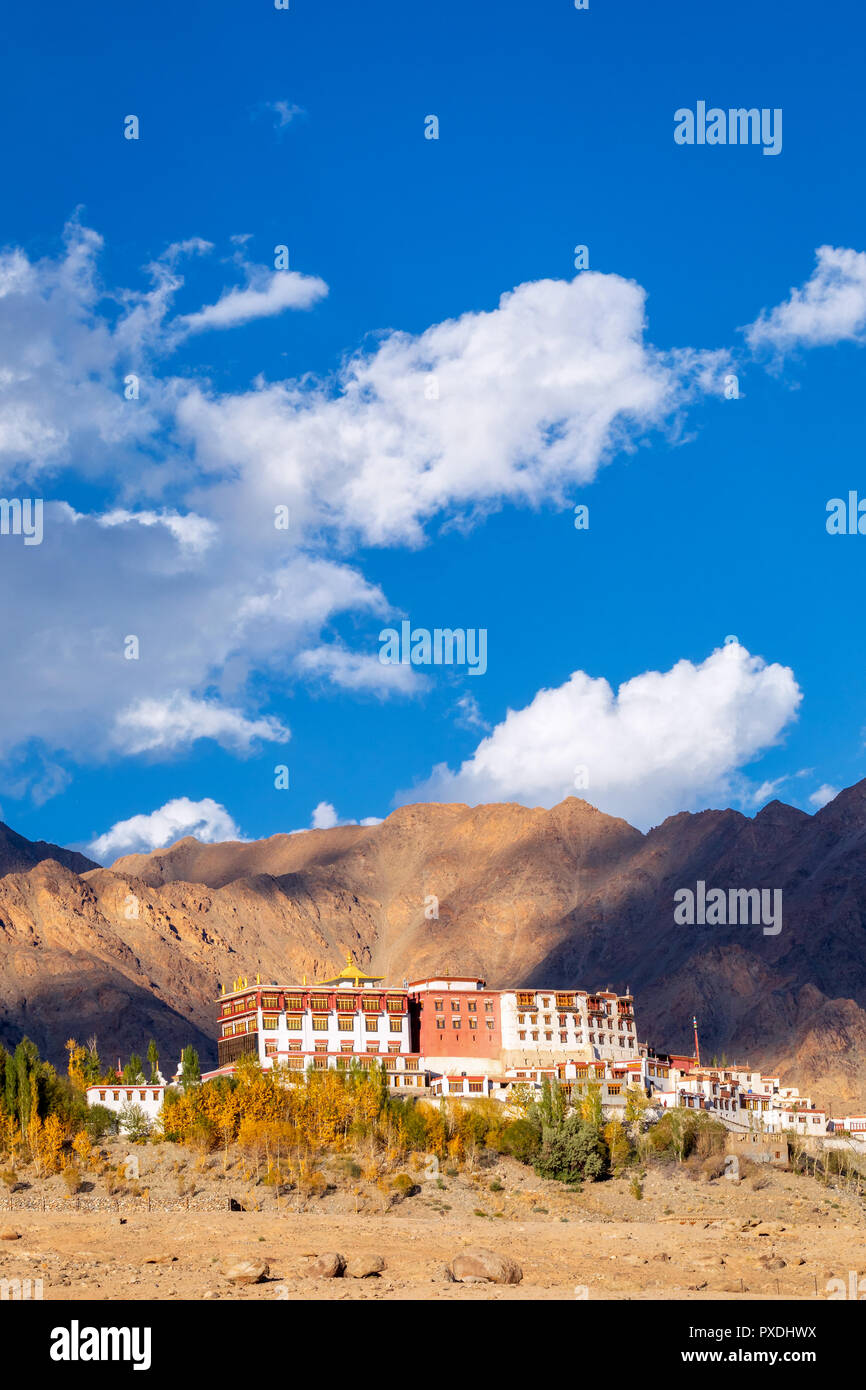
[
  {"x": 328, "y": 1266},
  {"x": 364, "y": 1266},
  {"x": 485, "y": 1265},
  {"x": 246, "y": 1272},
  {"x": 9, "y": 1233}
]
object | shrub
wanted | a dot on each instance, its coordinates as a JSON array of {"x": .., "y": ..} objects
[
  {"x": 72, "y": 1179},
  {"x": 522, "y": 1140},
  {"x": 402, "y": 1183},
  {"x": 99, "y": 1122},
  {"x": 572, "y": 1152},
  {"x": 635, "y": 1187}
]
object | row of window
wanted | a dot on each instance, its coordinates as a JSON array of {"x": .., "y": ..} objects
[
  {"x": 130, "y": 1095},
  {"x": 270, "y": 1024},
  {"x": 471, "y": 1006},
  {"x": 473, "y": 1023}
]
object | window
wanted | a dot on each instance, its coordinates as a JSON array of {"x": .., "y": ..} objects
[
  {"x": 548, "y": 1037},
  {"x": 346, "y": 1025},
  {"x": 270, "y": 1021},
  {"x": 476, "y": 1085},
  {"x": 319, "y": 1002},
  {"x": 455, "y": 1023},
  {"x": 371, "y": 1025},
  {"x": 320, "y": 1025},
  {"x": 102, "y": 1095},
  {"x": 563, "y": 1037},
  {"x": 488, "y": 1006},
  {"x": 440, "y": 1023},
  {"x": 294, "y": 1047},
  {"x": 490, "y": 1024},
  {"x": 455, "y": 1006},
  {"x": 270, "y": 1047},
  {"x": 394, "y": 1049},
  {"x": 346, "y": 1005},
  {"x": 438, "y": 1005},
  {"x": 522, "y": 1037},
  {"x": 371, "y": 1006},
  {"x": 270, "y": 1001},
  {"x": 472, "y": 1006},
  {"x": 294, "y": 1001},
  {"x": 396, "y": 1025},
  {"x": 345, "y": 1047},
  {"x": 321, "y": 1047},
  {"x": 294, "y": 1024},
  {"x": 562, "y": 1020},
  {"x": 395, "y": 1006}
]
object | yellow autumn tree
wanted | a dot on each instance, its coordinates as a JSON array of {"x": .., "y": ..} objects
[{"x": 75, "y": 1066}]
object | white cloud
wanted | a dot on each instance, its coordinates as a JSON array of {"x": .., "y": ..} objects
[
  {"x": 360, "y": 671},
  {"x": 829, "y": 308},
  {"x": 469, "y": 714},
  {"x": 192, "y": 532},
  {"x": 151, "y": 725},
  {"x": 530, "y": 397},
  {"x": 512, "y": 404},
  {"x": 284, "y": 112},
  {"x": 824, "y": 794},
  {"x": 274, "y": 293},
  {"x": 207, "y": 820},
  {"x": 663, "y": 742},
  {"x": 324, "y": 816}
]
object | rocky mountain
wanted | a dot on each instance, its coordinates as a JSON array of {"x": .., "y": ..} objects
[
  {"x": 17, "y": 854},
  {"x": 565, "y": 897}
]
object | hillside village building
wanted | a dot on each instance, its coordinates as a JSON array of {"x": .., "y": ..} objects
[{"x": 452, "y": 1036}]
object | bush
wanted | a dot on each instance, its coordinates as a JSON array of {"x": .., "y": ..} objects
[
  {"x": 72, "y": 1179},
  {"x": 572, "y": 1151},
  {"x": 635, "y": 1187},
  {"x": 522, "y": 1140},
  {"x": 99, "y": 1122},
  {"x": 403, "y": 1184}
]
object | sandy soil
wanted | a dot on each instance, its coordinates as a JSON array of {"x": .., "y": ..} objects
[{"x": 686, "y": 1239}]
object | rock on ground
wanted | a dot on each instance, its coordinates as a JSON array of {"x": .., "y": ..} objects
[{"x": 485, "y": 1265}]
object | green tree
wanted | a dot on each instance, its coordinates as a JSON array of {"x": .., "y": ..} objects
[
  {"x": 153, "y": 1059},
  {"x": 134, "y": 1069},
  {"x": 190, "y": 1070}
]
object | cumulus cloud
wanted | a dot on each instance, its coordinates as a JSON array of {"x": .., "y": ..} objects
[
  {"x": 207, "y": 820},
  {"x": 661, "y": 743},
  {"x": 829, "y": 308},
  {"x": 514, "y": 404},
  {"x": 325, "y": 818},
  {"x": 824, "y": 794},
  {"x": 511, "y": 404},
  {"x": 151, "y": 725}
]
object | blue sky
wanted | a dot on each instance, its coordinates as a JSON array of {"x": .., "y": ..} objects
[{"x": 260, "y": 128}]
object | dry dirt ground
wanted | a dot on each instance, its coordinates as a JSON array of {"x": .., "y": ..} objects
[{"x": 685, "y": 1239}]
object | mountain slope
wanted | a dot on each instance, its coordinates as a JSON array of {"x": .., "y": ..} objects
[
  {"x": 568, "y": 896},
  {"x": 17, "y": 854}
]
